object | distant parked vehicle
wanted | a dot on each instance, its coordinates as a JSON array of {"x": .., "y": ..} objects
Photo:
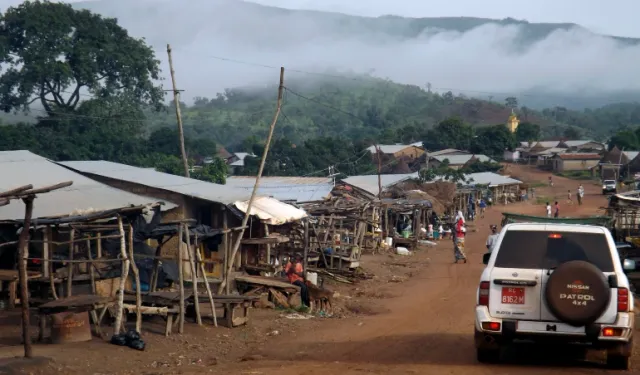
[{"x": 609, "y": 186}]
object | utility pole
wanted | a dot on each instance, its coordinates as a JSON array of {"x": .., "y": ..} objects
[
  {"x": 379, "y": 171},
  {"x": 245, "y": 220},
  {"x": 176, "y": 100}
]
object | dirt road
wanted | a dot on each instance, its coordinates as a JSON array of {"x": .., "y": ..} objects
[
  {"x": 429, "y": 326},
  {"x": 423, "y": 325}
]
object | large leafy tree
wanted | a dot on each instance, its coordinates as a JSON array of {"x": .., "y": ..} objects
[
  {"x": 527, "y": 132},
  {"x": 493, "y": 141},
  {"x": 450, "y": 133},
  {"x": 51, "y": 53}
]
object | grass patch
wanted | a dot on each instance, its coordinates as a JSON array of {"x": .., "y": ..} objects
[
  {"x": 538, "y": 184},
  {"x": 577, "y": 175},
  {"x": 543, "y": 200}
]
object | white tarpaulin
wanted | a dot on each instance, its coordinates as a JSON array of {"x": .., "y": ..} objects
[{"x": 271, "y": 211}]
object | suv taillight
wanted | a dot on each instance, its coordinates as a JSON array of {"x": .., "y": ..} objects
[
  {"x": 483, "y": 295},
  {"x": 623, "y": 300}
]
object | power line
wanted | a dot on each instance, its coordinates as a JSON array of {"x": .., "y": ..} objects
[{"x": 323, "y": 104}]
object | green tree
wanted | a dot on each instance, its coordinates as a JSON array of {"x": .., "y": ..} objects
[
  {"x": 624, "y": 140},
  {"x": 572, "y": 133},
  {"x": 493, "y": 141},
  {"x": 215, "y": 172},
  {"x": 527, "y": 132},
  {"x": 511, "y": 102},
  {"x": 450, "y": 133},
  {"x": 51, "y": 52}
]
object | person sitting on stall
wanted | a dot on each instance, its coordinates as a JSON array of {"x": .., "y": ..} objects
[{"x": 295, "y": 274}]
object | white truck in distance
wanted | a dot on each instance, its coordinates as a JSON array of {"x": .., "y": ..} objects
[{"x": 555, "y": 283}]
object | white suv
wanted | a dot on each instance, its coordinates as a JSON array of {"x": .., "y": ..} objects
[{"x": 555, "y": 283}]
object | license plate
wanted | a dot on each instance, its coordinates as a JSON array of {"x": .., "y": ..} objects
[{"x": 513, "y": 296}]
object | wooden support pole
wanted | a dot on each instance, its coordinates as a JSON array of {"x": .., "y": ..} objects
[
  {"x": 52, "y": 284},
  {"x": 23, "y": 247},
  {"x": 136, "y": 276},
  {"x": 123, "y": 278},
  {"x": 92, "y": 271},
  {"x": 206, "y": 283},
  {"x": 46, "y": 253},
  {"x": 227, "y": 261},
  {"x": 99, "y": 247},
  {"x": 305, "y": 255},
  {"x": 194, "y": 278},
  {"x": 181, "y": 280},
  {"x": 176, "y": 99},
  {"x": 266, "y": 232},
  {"x": 245, "y": 219},
  {"x": 156, "y": 268},
  {"x": 72, "y": 245}
]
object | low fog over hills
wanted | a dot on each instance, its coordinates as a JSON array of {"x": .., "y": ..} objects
[{"x": 556, "y": 64}]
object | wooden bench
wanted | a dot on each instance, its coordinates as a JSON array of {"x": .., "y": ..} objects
[
  {"x": 233, "y": 304},
  {"x": 162, "y": 303},
  {"x": 10, "y": 279}
]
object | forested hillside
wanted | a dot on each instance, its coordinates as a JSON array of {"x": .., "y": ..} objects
[{"x": 104, "y": 101}]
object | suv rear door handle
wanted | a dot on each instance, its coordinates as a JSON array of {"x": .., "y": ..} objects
[{"x": 510, "y": 282}]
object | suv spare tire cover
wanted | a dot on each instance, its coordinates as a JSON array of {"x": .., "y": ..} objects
[{"x": 577, "y": 293}]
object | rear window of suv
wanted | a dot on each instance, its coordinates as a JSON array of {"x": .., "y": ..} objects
[{"x": 538, "y": 249}]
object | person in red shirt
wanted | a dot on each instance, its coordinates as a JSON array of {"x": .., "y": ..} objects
[{"x": 295, "y": 274}]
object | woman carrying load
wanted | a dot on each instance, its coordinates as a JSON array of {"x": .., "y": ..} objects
[{"x": 459, "y": 231}]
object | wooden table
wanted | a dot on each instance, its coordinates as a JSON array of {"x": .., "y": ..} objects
[
  {"x": 236, "y": 308},
  {"x": 10, "y": 278},
  {"x": 167, "y": 302}
]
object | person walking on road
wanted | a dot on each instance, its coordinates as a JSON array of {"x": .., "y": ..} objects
[
  {"x": 493, "y": 237},
  {"x": 570, "y": 201},
  {"x": 548, "y": 209},
  {"x": 459, "y": 232},
  {"x": 557, "y": 210},
  {"x": 580, "y": 194},
  {"x": 483, "y": 207}
]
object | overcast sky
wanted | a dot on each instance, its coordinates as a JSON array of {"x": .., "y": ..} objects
[
  {"x": 615, "y": 17},
  {"x": 481, "y": 60}
]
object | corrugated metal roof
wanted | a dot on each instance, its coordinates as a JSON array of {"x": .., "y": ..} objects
[
  {"x": 296, "y": 189},
  {"x": 369, "y": 183},
  {"x": 576, "y": 143},
  {"x": 23, "y": 167},
  {"x": 547, "y": 144},
  {"x": 448, "y": 151},
  {"x": 491, "y": 179},
  {"x": 389, "y": 149},
  {"x": 462, "y": 159},
  {"x": 551, "y": 151},
  {"x": 240, "y": 161},
  {"x": 631, "y": 154},
  {"x": 186, "y": 186},
  {"x": 271, "y": 211},
  {"x": 579, "y": 156}
]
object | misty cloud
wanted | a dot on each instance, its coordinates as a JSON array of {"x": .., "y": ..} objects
[{"x": 489, "y": 58}]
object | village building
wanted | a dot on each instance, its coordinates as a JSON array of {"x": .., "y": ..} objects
[
  {"x": 563, "y": 162},
  {"x": 236, "y": 162},
  {"x": 615, "y": 162},
  {"x": 407, "y": 152},
  {"x": 458, "y": 161}
]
